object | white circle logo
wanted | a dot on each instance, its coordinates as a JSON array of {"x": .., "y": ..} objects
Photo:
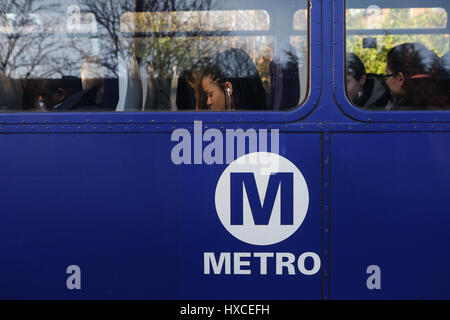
[{"x": 262, "y": 198}]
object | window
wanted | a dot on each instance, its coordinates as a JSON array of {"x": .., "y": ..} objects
[
  {"x": 135, "y": 55},
  {"x": 225, "y": 20},
  {"x": 300, "y": 41},
  {"x": 397, "y": 55}
]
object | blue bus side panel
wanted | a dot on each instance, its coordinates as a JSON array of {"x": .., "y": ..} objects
[
  {"x": 87, "y": 200},
  {"x": 390, "y": 208},
  {"x": 136, "y": 224},
  {"x": 203, "y": 232}
]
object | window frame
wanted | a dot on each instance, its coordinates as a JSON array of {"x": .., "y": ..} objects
[
  {"x": 354, "y": 112},
  {"x": 185, "y": 117}
]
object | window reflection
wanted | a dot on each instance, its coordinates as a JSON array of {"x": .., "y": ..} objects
[
  {"x": 375, "y": 17},
  {"x": 225, "y": 20},
  {"x": 86, "y": 55},
  {"x": 396, "y": 56},
  {"x": 300, "y": 20}
]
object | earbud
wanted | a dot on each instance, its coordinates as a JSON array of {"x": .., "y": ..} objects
[{"x": 228, "y": 101}]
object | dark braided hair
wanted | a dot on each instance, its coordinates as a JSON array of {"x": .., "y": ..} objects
[{"x": 236, "y": 67}]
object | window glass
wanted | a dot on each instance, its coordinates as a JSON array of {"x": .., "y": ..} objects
[
  {"x": 404, "y": 18},
  {"x": 397, "y": 57},
  {"x": 225, "y": 20},
  {"x": 162, "y": 55},
  {"x": 300, "y": 20},
  {"x": 300, "y": 41}
]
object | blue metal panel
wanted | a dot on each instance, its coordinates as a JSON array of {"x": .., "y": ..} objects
[
  {"x": 92, "y": 201},
  {"x": 390, "y": 208},
  {"x": 135, "y": 223}
]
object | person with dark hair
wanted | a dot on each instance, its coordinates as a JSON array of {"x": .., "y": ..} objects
[
  {"x": 285, "y": 89},
  {"x": 192, "y": 77},
  {"x": 66, "y": 94},
  {"x": 445, "y": 64},
  {"x": 363, "y": 89},
  {"x": 11, "y": 94},
  {"x": 415, "y": 78},
  {"x": 231, "y": 82}
]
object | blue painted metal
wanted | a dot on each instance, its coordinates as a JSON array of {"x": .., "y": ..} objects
[
  {"x": 390, "y": 208},
  {"x": 326, "y": 199},
  {"x": 100, "y": 191},
  {"x": 136, "y": 224}
]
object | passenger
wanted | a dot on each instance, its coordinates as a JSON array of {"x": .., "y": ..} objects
[
  {"x": 364, "y": 90},
  {"x": 66, "y": 94},
  {"x": 11, "y": 94},
  {"x": 231, "y": 82},
  {"x": 445, "y": 64},
  {"x": 284, "y": 84},
  {"x": 192, "y": 77},
  {"x": 415, "y": 78}
]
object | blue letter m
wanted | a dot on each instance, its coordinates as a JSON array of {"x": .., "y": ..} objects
[{"x": 261, "y": 214}]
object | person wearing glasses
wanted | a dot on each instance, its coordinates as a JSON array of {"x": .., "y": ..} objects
[
  {"x": 416, "y": 79},
  {"x": 365, "y": 90}
]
